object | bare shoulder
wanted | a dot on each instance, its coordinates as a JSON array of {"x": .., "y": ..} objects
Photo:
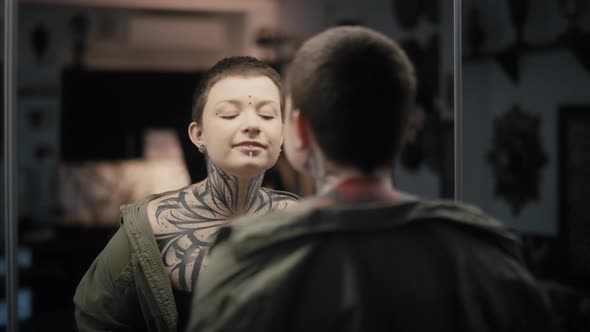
[
  {"x": 162, "y": 207},
  {"x": 281, "y": 200}
]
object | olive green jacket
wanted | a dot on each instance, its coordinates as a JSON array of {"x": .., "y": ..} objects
[
  {"x": 414, "y": 266},
  {"x": 126, "y": 288}
]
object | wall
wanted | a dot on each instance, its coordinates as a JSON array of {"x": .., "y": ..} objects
[{"x": 548, "y": 80}]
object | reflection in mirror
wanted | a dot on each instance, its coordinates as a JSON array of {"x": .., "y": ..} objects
[
  {"x": 105, "y": 91},
  {"x": 526, "y": 73}
]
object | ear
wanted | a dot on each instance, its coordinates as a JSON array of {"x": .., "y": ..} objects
[
  {"x": 195, "y": 133},
  {"x": 302, "y": 129}
]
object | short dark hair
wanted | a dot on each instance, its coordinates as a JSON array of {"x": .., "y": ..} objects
[
  {"x": 245, "y": 66},
  {"x": 356, "y": 87}
]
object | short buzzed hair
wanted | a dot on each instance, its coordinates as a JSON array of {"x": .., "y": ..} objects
[
  {"x": 245, "y": 66},
  {"x": 356, "y": 87}
]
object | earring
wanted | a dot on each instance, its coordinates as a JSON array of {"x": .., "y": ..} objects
[{"x": 202, "y": 148}]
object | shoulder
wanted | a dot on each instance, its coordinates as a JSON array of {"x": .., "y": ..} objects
[
  {"x": 280, "y": 200},
  {"x": 281, "y": 195},
  {"x": 453, "y": 211},
  {"x": 164, "y": 197},
  {"x": 461, "y": 221},
  {"x": 162, "y": 205}
]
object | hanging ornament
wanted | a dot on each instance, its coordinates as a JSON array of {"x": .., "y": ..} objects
[{"x": 517, "y": 157}]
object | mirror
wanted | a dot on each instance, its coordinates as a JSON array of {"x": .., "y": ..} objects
[
  {"x": 104, "y": 97},
  {"x": 525, "y": 152}
]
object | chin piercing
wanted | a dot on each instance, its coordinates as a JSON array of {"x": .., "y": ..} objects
[{"x": 250, "y": 154}]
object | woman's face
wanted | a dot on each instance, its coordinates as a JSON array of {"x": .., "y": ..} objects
[{"x": 241, "y": 127}]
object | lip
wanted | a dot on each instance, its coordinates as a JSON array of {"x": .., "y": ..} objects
[{"x": 251, "y": 145}]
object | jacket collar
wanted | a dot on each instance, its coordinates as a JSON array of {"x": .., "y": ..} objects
[{"x": 248, "y": 235}]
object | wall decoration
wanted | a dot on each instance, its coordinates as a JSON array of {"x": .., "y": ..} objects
[
  {"x": 406, "y": 13},
  {"x": 517, "y": 157},
  {"x": 519, "y": 10},
  {"x": 573, "y": 37}
]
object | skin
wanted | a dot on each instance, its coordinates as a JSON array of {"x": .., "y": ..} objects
[{"x": 242, "y": 131}]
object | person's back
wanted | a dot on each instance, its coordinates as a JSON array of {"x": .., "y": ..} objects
[
  {"x": 408, "y": 265},
  {"x": 361, "y": 255}
]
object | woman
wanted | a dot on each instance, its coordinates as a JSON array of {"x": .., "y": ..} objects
[{"x": 143, "y": 278}]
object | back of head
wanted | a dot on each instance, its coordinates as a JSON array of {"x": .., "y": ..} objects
[{"x": 356, "y": 87}]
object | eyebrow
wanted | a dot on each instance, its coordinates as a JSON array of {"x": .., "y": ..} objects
[
  {"x": 239, "y": 103},
  {"x": 266, "y": 102}
]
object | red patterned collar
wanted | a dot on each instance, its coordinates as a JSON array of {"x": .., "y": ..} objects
[{"x": 357, "y": 190}]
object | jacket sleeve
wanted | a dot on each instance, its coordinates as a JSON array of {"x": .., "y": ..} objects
[{"x": 105, "y": 299}]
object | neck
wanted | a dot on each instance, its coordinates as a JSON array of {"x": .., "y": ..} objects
[
  {"x": 229, "y": 192},
  {"x": 328, "y": 175}
]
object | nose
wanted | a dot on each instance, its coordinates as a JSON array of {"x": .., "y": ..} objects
[{"x": 251, "y": 125}]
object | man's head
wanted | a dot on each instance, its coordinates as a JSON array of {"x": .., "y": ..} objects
[{"x": 350, "y": 90}]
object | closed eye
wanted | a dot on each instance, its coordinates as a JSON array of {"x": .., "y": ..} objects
[
  {"x": 229, "y": 117},
  {"x": 267, "y": 117}
]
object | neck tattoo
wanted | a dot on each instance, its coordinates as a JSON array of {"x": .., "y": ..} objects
[{"x": 191, "y": 219}]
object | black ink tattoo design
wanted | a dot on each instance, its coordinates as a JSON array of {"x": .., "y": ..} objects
[{"x": 195, "y": 216}]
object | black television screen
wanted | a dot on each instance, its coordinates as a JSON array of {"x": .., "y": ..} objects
[{"x": 104, "y": 113}]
